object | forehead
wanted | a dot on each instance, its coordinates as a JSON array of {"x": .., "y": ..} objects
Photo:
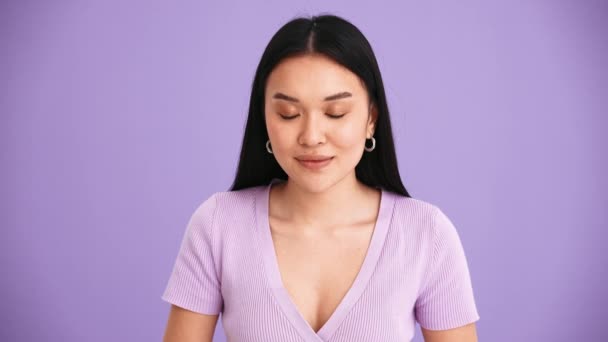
[{"x": 312, "y": 77}]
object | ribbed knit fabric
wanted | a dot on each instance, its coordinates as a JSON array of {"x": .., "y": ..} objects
[{"x": 415, "y": 270}]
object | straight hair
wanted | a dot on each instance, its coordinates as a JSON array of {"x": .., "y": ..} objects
[{"x": 341, "y": 41}]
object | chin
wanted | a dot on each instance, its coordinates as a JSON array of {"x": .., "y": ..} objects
[{"x": 315, "y": 183}]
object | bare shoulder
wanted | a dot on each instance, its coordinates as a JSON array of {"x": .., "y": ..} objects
[
  {"x": 185, "y": 326},
  {"x": 465, "y": 333}
]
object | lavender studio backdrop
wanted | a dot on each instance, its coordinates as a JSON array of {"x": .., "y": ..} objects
[{"x": 118, "y": 118}]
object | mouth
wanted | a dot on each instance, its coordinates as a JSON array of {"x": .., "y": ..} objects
[{"x": 315, "y": 164}]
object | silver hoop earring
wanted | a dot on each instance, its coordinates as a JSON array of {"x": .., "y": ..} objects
[
  {"x": 369, "y": 149},
  {"x": 268, "y": 146}
]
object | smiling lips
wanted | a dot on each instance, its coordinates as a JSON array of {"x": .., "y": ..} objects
[{"x": 314, "y": 162}]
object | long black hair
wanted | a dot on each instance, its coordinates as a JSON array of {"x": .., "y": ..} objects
[{"x": 340, "y": 40}]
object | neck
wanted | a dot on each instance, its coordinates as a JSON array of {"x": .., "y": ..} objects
[{"x": 345, "y": 202}]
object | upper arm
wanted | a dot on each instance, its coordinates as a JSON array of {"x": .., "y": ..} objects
[
  {"x": 466, "y": 333},
  {"x": 189, "y": 326},
  {"x": 194, "y": 288},
  {"x": 445, "y": 303}
]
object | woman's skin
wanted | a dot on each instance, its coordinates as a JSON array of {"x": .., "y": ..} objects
[
  {"x": 312, "y": 203},
  {"x": 297, "y": 88}
]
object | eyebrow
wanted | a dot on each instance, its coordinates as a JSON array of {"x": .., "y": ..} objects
[{"x": 340, "y": 95}]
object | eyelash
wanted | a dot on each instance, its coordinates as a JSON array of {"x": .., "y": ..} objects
[{"x": 335, "y": 117}]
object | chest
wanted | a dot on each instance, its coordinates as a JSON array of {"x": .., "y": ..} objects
[{"x": 317, "y": 270}]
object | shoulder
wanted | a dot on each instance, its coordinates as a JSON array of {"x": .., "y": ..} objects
[
  {"x": 424, "y": 218},
  {"x": 225, "y": 210},
  {"x": 227, "y": 200},
  {"x": 415, "y": 209},
  {"x": 220, "y": 212}
]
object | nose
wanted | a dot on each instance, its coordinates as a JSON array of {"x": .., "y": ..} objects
[{"x": 312, "y": 132}]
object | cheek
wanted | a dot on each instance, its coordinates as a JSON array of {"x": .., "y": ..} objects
[
  {"x": 273, "y": 126},
  {"x": 348, "y": 137},
  {"x": 280, "y": 134}
]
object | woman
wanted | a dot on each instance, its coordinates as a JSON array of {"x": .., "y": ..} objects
[{"x": 318, "y": 239}]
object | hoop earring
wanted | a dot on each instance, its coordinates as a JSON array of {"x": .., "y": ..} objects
[
  {"x": 369, "y": 149},
  {"x": 268, "y": 146}
]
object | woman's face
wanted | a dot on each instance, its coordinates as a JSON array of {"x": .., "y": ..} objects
[{"x": 302, "y": 95}]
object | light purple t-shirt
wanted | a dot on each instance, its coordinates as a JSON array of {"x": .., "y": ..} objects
[{"x": 415, "y": 270}]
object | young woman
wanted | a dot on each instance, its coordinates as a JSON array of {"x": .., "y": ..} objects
[{"x": 318, "y": 239}]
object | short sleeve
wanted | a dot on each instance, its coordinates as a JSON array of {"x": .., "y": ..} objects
[
  {"x": 194, "y": 282},
  {"x": 446, "y": 299}
]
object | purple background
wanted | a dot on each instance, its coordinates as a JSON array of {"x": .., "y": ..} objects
[{"x": 119, "y": 118}]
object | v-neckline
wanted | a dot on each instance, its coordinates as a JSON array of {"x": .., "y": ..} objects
[{"x": 354, "y": 292}]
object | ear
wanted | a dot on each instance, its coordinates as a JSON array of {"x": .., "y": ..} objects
[{"x": 372, "y": 119}]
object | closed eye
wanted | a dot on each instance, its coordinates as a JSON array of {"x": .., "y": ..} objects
[
  {"x": 285, "y": 117},
  {"x": 288, "y": 117}
]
